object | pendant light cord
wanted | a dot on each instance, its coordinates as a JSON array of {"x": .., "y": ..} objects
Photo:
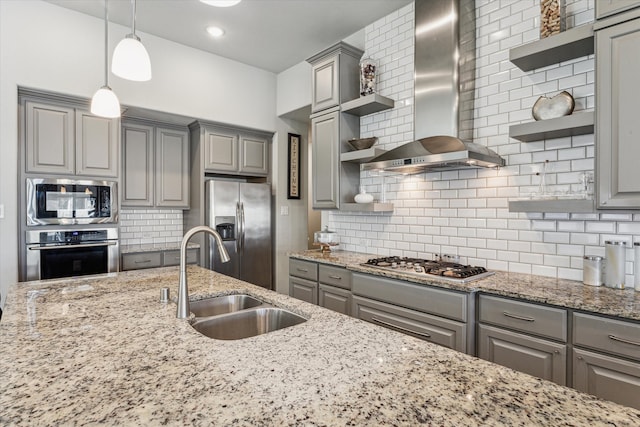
[
  {"x": 133, "y": 17},
  {"x": 106, "y": 44}
]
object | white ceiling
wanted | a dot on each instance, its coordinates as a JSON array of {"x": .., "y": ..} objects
[{"x": 269, "y": 34}]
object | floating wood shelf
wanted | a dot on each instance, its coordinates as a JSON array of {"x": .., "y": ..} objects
[
  {"x": 573, "y": 125},
  {"x": 368, "y": 105},
  {"x": 361, "y": 156},
  {"x": 570, "y": 44},
  {"x": 366, "y": 207},
  {"x": 553, "y": 206}
]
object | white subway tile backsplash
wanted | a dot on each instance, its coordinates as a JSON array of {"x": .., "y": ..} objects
[{"x": 466, "y": 211}]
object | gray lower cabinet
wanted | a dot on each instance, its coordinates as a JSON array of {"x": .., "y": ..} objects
[
  {"x": 235, "y": 152},
  {"x": 303, "y": 280},
  {"x": 441, "y": 316},
  {"x": 152, "y": 259},
  {"x": 435, "y": 329},
  {"x": 527, "y": 337},
  {"x": 63, "y": 139},
  {"x": 534, "y": 356},
  {"x": 617, "y": 126},
  {"x": 606, "y": 358},
  {"x": 155, "y": 165}
]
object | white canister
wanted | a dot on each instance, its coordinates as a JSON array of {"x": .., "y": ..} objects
[
  {"x": 614, "y": 265},
  {"x": 636, "y": 265},
  {"x": 592, "y": 270}
]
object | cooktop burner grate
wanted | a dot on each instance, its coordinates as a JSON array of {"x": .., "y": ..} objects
[{"x": 447, "y": 270}]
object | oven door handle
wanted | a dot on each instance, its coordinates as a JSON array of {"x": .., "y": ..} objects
[{"x": 87, "y": 245}]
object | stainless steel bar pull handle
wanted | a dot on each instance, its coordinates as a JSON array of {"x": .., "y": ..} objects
[
  {"x": 242, "y": 216},
  {"x": 335, "y": 277},
  {"x": 236, "y": 241},
  {"x": 304, "y": 270},
  {"x": 400, "y": 328},
  {"x": 615, "y": 338},
  {"x": 144, "y": 261},
  {"x": 86, "y": 245},
  {"x": 515, "y": 316}
]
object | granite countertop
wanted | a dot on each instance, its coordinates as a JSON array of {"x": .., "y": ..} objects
[
  {"x": 104, "y": 350},
  {"x": 155, "y": 247},
  {"x": 623, "y": 303}
]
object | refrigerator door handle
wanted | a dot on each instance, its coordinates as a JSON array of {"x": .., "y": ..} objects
[
  {"x": 242, "y": 220},
  {"x": 237, "y": 239}
]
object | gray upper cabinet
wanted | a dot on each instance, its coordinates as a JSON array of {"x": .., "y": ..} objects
[
  {"x": 172, "y": 168},
  {"x": 61, "y": 139},
  {"x": 606, "y": 8},
  {"x": 137, "y": 164},
  {"x": 334, "y": 77},
  {"x": 617, "y": 125},
  {"x": 155, "y": 165},
  {"x": 229, "y": 151},
  {"x": 325, "y": 159}
]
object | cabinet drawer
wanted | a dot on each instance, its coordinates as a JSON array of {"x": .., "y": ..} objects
[
  {"x": 173, "y": 257},
  {"x": 305, "y": 269},
  {"x": 440, "y": 302},
  {"x": 137, "y": 261},
  {"x": 437, "y": 330},
  {"x": 525, "y": 317},
  {"x": 334, "y": 276},
  {"x": 534, "y": 356},
  {"x": 609, "y": 335}
]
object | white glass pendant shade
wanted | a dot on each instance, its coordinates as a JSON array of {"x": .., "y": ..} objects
[
  {"x": 105, "y": 103},
  {"x": 131, "y": 60}
]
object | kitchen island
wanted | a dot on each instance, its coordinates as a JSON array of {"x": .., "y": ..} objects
[{"x": 104, "y": 350}]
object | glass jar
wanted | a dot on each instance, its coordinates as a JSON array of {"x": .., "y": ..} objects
[
  {"x": 614, "y": 265},
  {"x": 368, "y": 72},
  {"x": 552, "y": 17},
  {"x": 592, "y": 270}
]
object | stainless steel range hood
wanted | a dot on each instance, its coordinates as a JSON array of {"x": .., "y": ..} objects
[{"x": 444, "y": 94}]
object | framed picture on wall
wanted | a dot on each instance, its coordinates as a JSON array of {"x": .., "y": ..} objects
[{"x": 293, "y": 167}]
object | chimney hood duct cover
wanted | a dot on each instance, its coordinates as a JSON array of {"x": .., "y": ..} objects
[
  {"x": 444, "y": 94},
  {"x": 435, "y": 153}
]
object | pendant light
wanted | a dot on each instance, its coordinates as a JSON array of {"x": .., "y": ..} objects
[
  {"x": 105, "y": 102},
  {"x": 130, "y": 58}
]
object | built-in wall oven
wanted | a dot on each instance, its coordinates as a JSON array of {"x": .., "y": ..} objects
[
  {"x": 55, "y": 253},
  {"x": 69, "y": 202}
]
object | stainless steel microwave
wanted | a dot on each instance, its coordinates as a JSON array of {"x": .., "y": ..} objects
[{"x": 66, "y": 201}]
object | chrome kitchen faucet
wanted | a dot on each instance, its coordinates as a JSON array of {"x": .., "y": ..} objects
[{"x": 183, "y": 290}]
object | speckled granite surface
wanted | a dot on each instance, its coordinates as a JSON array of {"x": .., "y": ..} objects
[
  {"x": 104, "y": 351},
  {"x": 564, "y": 293},
  {"x": 156, "y": 247}
]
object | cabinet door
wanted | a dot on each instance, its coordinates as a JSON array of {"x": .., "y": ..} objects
[
  {"x": 617, "y": 127},
  {"x": 137, "y": 261},
  {"x": 335, "y": 299},
  {"x": 96, "y": 145},
  {"x": 220, "y": 151},
  {"x": 303, "y": 289},
  {"x": 137, "y": 165},
  {"x": 324, "y": 84},
  {"x": 172, "y": 168},
  {"x": 609, "y": 7},
  {"x": 50, "y": 138},
  {"x": 326, "y": 161},
  {"x": 534, "y": 356},
  {"x": 437, "y": 330},
  {"x": 254, "y": 155},
  {"x": 607, "y": 377}
]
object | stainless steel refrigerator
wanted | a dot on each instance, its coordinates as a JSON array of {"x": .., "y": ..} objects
[{"x": 241, "y": 213}]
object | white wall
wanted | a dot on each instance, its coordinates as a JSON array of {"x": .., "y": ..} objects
[
  {"x": 466, "y": 212},
  {"x": 48, "y": 47}
]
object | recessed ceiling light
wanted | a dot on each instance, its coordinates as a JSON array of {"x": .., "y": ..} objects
[
  {"x": 215, "y": 31},
  {"x": 221, "y": 3}
]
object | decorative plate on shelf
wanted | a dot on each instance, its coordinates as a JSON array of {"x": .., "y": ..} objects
[{"x": 550, "y": 108}]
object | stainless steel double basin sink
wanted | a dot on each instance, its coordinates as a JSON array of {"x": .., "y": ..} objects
[{"x": 233, "y": 317}]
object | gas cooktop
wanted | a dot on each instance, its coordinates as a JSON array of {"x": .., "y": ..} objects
[{"x": 450, "y": 271}]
